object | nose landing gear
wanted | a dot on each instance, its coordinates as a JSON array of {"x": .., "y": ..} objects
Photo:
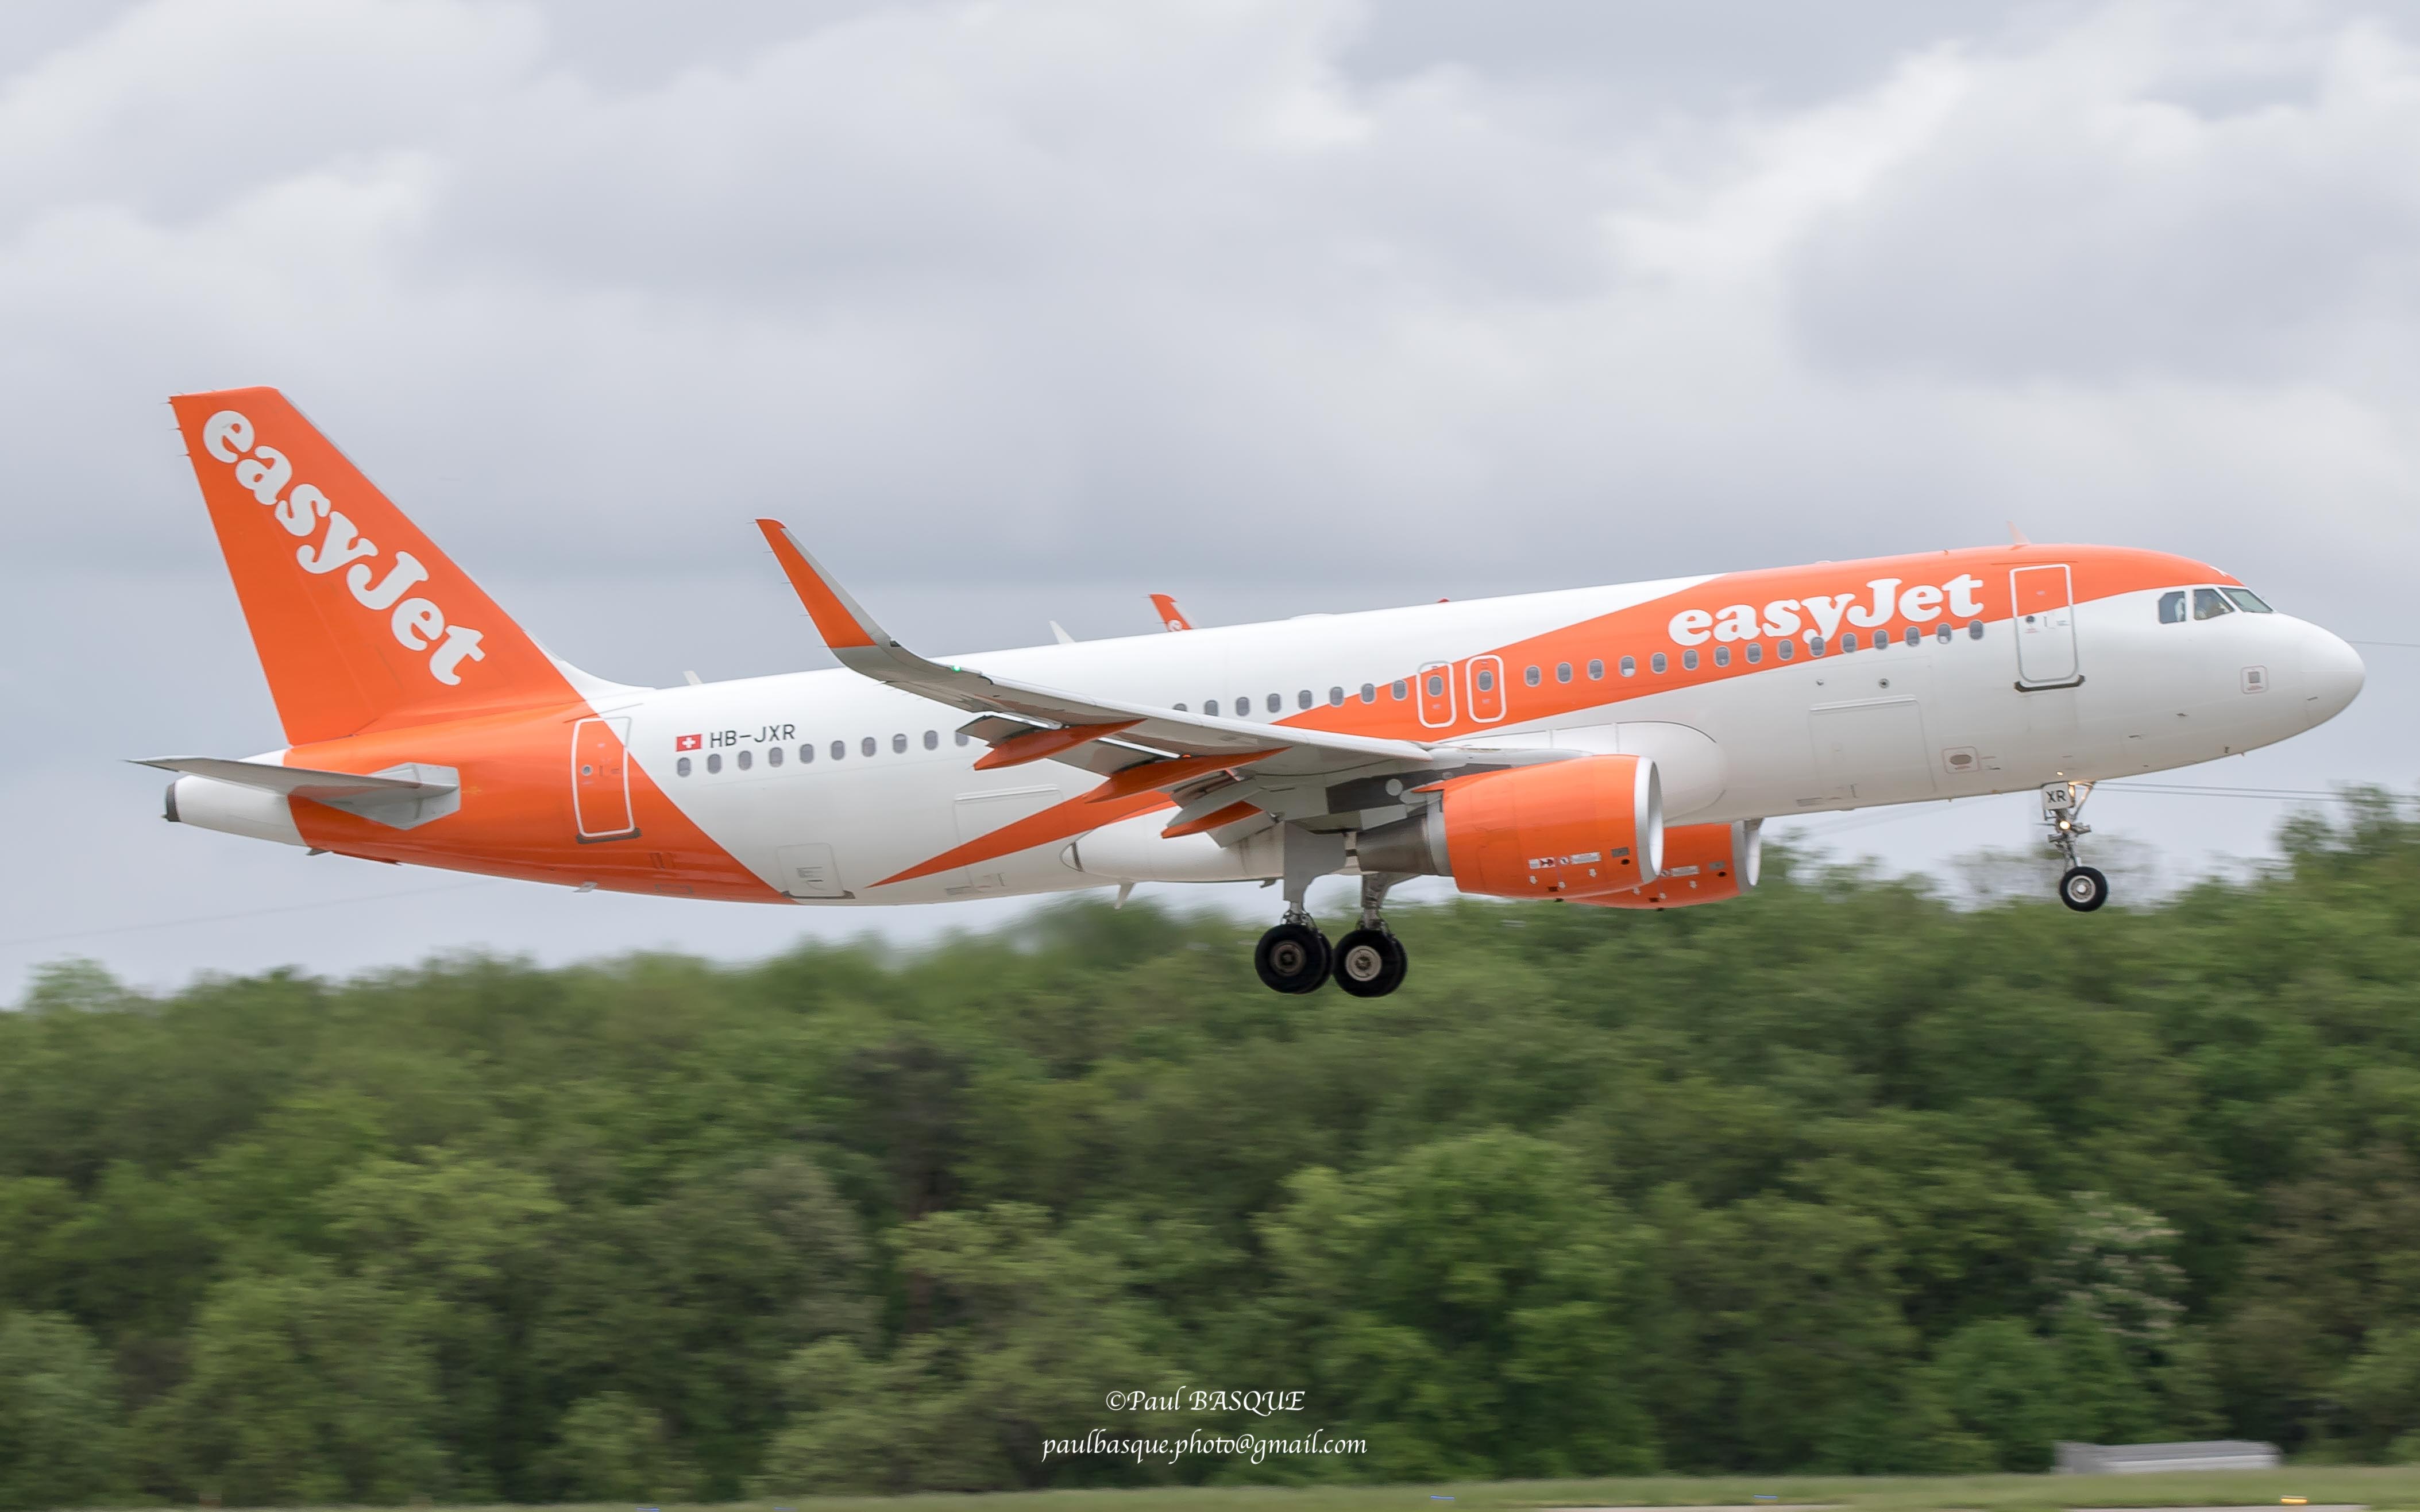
[{"x": 2082, "y": 887}]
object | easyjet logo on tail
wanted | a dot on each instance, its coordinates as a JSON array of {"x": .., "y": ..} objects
[
  {"x": 1822, "y": 614},
  {"x": 417, "y": 624}
]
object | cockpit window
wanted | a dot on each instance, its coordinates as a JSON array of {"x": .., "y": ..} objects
[
  {"x": 2208, "y": 604},
  {"x": 2172, "y": 607},
  {"x": 2248, "y": 601}
]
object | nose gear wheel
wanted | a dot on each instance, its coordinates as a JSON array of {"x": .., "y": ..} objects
[{"x": 2084, "y": 888}]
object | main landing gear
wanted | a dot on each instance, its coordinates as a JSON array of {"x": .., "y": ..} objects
[
  {"x": 2082, "y": 887},
  {"x": 1295, "y": 957}
]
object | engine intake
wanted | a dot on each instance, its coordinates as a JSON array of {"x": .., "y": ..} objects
[{"x": 1564, "y": 829}]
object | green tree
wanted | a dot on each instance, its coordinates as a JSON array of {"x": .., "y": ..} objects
[
  {"x": 609, "y": 1448},
  {"x": 305, "y": 1386},
  {"x": 2002, "y": 1383},
  {"x": 1030, "y": 1334},
  {"x": 1468, "y": 1307},
  {"x": 60, "y": 1436}
]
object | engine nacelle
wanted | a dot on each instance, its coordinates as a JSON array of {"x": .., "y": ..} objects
[
  {"x": 1703, "y": 864},
  {"x": 1561, "y": 829}
]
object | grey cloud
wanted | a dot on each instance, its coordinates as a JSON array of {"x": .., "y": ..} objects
[{"x": 2214, "y": 205}]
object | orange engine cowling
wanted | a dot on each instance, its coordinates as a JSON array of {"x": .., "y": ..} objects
[
  {"x": 1703, "y": 864},
  {"x": 1561, "y": 829}
]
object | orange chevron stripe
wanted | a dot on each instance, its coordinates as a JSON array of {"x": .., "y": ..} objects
[
  {"x": 1060, "y": 820},
  {"x": 1124, "y": 795}
]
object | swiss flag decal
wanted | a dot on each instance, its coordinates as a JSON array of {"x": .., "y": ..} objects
[{"x": 687, "y": 742}]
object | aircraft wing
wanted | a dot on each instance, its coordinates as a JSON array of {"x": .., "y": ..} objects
[{"x": 1136, "y": 733}]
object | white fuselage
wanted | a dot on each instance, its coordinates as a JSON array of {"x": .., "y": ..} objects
[{"x": 1944, "y": 719}]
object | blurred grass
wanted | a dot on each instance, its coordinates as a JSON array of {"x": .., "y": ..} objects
[{"x": 2392, "y": 1487}]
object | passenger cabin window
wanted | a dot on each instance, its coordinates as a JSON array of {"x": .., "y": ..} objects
[
  {"x": 1596, "y": 669},
  {"x": 1914, "y": 635},
  {"x": 2172, "y": 607},
  {"x": 1487, "y": 679},
  {"x": 1785, "y": 649},
  {"x": 1849, "y": 642},
  {"x": 2208, "y": 604},
  {"x": 963, "y": 738},
  {"x": 1656, "y": 662},
  {"x": 1436, "y": 685},
  {"x": 1302, "y": 700},
  {"x": 1689, "y": 661},
  {"x": 2248, "y": 601},
  {"x": 1336, "y": 697},
  {"x": 681, "y": 766},
  {"x": 1209, "y": 706},
  {"x": 838, "y": 749},
  {"x": 1722, "y": 656},
  {"x": 1277, "y": 702},
  {"x": 714, "y": 762},
  {"x": 867, "y": 746},
  {"x": 1942, "y": 633},
  {"x": 1814, "y": 646},
  {"x": 747, "y": 759},
  {"x": 1562, "y": 671},
  {"x": 1531, "y": 677},
  {"x": 1755, "y": 653},
  {"x": 1629, "y": 666},
  {"x": 773, "y": 757},
  {"x": 806, "y": 754},
  {"x": 898, "y": 745},
  {"x": 1974, "y": 630},
  {"x": 1369, "y": 692},
  {"x": 932, "y": 740}
]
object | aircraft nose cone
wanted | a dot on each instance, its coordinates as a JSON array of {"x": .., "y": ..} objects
[{"x": 2332, "y": 675}]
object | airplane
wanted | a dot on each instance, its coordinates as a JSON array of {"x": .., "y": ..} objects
[{"x": 1617, "y": 747}]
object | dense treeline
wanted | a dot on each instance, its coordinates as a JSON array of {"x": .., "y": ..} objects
[{"x": 1837, "y": 1176}]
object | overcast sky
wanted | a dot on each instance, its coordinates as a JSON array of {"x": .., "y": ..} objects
[{"x": 1019, "y": 311}]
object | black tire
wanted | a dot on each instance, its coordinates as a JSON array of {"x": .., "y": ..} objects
[
  {"x": 1369, "y": 963},
  {"x": 2084, "y": 888},
  {"x": 1292, "y": 958}
]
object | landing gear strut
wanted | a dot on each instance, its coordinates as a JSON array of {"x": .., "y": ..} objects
[
  {"x": 1370, "y": 960},
  {"x": 1295, "y": 957},
  {"x": 2082, "y": 887}
]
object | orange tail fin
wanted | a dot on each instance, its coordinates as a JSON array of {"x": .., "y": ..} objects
[{"x": 358, "y": 620}]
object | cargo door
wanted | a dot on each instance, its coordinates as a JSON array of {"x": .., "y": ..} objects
[
  {"x": 810, "y": 871},
  {"x": 600, "y": 779},
  {"x": 986, "y": 814},
  {"x": 1873, "y": 750},
  {"x": 2045, "y": 624}
]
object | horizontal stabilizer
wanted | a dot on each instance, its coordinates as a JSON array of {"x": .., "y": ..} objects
[{"x": 400, "y": 796}]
